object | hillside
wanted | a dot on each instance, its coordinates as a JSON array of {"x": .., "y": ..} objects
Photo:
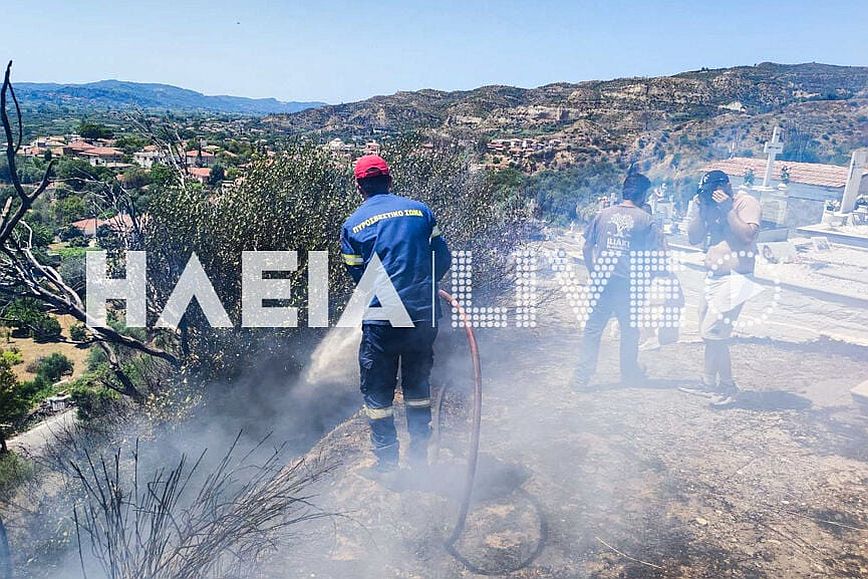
[
  {"x": 691, "y": 113},
  {"x": 115, "y": 94}
]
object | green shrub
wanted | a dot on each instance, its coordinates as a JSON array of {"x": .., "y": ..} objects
[
  {"x": 78, "y": 332},
  {"x": 37, "y": 390},
  {"x": 74, "y": 251},
  {"x": 96, "y": 358},
  {"x": 69, "y": 233},
  {"x": 563, "y": 196},
  {"x": 91, "y": 399},
  {"x": 14, "y": 471},
  {"x": 27, "y": 316},
  {"x": 46, "y": 329},
  {"x": 51, "y": 367},
  {"x": 12, "y": 357},
  {"x": 14, "y": 403}
]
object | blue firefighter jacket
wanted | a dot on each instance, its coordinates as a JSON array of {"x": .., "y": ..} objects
[{"x": 404, "y": 235}]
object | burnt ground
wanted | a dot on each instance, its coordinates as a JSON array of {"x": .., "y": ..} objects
[{"x": 616, "y": 482}]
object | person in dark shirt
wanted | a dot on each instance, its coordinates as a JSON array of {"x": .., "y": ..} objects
[
  {"x": 613, "y": 234},
  {"x": 403, "y": 236}
]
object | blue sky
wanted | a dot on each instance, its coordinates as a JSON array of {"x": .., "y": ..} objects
[{"x": 340, "y": 51}]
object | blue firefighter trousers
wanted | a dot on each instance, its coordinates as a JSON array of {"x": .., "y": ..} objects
[{"x": 383, "y": 351}]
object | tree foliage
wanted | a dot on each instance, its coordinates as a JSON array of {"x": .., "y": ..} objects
[
  {"x": 90, "y": 130},
  {"x": 26, "y": 315},
  {"x": 297, "y": 200},
  {"x": 53, "y": 367},
  {"x": 563, "y": 195},
  {"x": 14, "y": 402}
]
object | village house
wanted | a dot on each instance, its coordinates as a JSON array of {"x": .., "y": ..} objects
[
  {"x": 104, "y": 156},
  {"x": 196, "y": 158},
  {"x": 77, "y": 148},
  {"x": 41, "y": 145},
  {"x": 200, "y": 174},
  {"x": 88, "y": 227},
  {"x": 149, "y": 156},
  {"x": 339, "y": 146}
]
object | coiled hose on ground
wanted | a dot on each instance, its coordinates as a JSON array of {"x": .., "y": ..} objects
[{"x": 473, "y": 458}]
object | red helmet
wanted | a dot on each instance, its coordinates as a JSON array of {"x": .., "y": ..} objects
[{"x": 370, "y": 166}]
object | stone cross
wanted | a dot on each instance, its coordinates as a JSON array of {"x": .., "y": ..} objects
[
  {"x": 773, "y": 148},
  {"x": 858, "y": 163}
]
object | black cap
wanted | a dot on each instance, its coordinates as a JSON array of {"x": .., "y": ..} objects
[{"x": 711, "y": 181}]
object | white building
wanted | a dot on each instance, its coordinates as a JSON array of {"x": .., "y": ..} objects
[
  {"x": 799, "y": 201},
  {"x": 197, "y": 158},
  {"x": 149, "y": 156}
]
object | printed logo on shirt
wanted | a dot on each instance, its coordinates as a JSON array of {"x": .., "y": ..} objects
[
  {"x": 622, "y": 223},
  {"x": 388, "y": 215},
  {"x": 619, "y": 241}
]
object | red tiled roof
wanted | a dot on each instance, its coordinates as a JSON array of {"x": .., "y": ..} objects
[
  {"x": 87, "y": 226},
  {"x": 195, "y": 153},
  {"x": 79, "y": 146},
  {"x": 199, "y": 171},
  {"x": 805, "y": 173},
  {"x": 103, "y": 152},
  {"x": 120, "y": 222}
]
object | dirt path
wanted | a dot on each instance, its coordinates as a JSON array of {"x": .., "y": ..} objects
[{"x": 34, "y": 440}]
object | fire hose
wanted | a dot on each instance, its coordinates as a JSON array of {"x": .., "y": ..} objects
[{"x": 473, "y": 457}]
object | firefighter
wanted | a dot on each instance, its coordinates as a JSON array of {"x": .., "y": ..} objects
[{"x": 403, "y": 235}]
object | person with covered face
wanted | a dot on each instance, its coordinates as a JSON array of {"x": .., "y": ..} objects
[{"x": 726, "y": 225}]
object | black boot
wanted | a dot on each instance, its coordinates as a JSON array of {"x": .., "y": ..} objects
[
  {"x": 386, "y": 467},
  {"x": 417, "y": 456},
  {"x": 387, "y": 458}
]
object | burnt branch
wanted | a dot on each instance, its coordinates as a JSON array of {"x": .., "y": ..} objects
[
  {"x": 8, "y": 222},
  {"x": 195, "y": 519}
]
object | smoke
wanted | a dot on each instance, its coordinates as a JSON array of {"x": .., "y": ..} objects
[
  {"x": 271, "y": 417},
  {"x": 289, "y": 411}
]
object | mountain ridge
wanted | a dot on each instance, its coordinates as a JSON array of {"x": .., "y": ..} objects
[
  {"x": 706, "y": 113},
  {"x": 806, "y": 76},
  {"x": 119, "y": 94}
]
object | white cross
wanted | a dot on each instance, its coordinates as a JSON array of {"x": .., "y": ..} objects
[{"x": 773, "y": 148}]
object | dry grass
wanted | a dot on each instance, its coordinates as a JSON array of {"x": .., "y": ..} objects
[
  {"x": 191, "y": 520},
  {"x": 32, "y": 350}
]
